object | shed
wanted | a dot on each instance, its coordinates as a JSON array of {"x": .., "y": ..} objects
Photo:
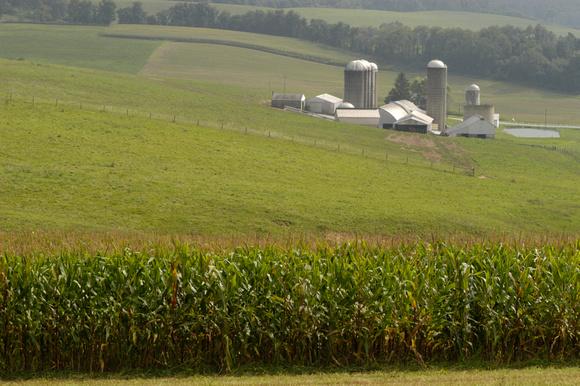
[
  {"x": 416, "y": 122},
  {"x": 475, "y": 126},
  {"x": 323, "y": 104},
  {"x": 390, "y": 114},
  {"x": 358, "y": 116},
  {"x": 288, "y": 100}
]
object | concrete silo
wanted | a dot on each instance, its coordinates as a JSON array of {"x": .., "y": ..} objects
[
  {"x": 473, "y": 95},
  {"x": 437, "y": 93},
  {"x": 487, "y": 112}
]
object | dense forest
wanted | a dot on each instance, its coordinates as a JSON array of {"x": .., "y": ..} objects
[
  {"x": 554, "y": 11},
  {"x": 533, "y": 55}
]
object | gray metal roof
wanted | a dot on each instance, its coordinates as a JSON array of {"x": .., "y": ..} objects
[
  {"x": 475, "y": 125},
  {"x": 287, "y": 97},
  {"x": 357, "y": 113},
  {"x": 326, "y": 98},
  {"x": 416, "y": 116}
]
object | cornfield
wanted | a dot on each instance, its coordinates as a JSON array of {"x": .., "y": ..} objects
[{"x": 319, "y": 306}]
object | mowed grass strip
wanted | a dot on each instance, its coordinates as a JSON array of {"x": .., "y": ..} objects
[{"x": 351, "y": 305}]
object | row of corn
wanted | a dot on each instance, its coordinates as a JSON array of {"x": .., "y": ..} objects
[{"x": 325, "y": 306}]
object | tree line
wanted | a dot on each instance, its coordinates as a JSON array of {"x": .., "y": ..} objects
[
  {"x": 553, "y": 11},
  {"x": 532, "y": 55},
  {"x": 102, "y": 12}
]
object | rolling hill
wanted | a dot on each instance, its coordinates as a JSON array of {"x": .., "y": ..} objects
[{"x": 187, "y": 144}]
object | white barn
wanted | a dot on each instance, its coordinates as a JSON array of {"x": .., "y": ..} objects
[
  {"x": 323, "y": 104},
  {"x": 475, "y": 126},
  {"x": 358, "y": 116}
]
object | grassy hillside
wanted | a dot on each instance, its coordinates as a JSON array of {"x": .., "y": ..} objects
[
  {"x": 74, "y": 46},
  {"x": 85, "y": 47},
  {"x": 75, "y": 169}
]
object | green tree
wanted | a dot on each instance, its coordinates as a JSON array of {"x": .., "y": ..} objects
[
  {"x": 418, "y": 94},
  {"x": 105, "y": 12},
  {"x": 133, "y": 14},
  {"x": 402, "y": 89}
]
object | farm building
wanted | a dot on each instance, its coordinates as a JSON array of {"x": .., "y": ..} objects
[
  {"x": 296, "y": 101},
  {"x": 475, "y": 126},
  {"x": 394, "y": 111},
  {"x": 323, "y": 104},
  {"x": 363, "y": 117},
  {"x": 404, "y": 116},
  {"x": 415, "y": 122}
]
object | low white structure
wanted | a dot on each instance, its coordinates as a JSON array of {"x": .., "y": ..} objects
[
  {"x": 475, "y": 126},
  {"x": 404, "y": 115},
  {"x": 296, "y": 101},
  {"x": 496, "y": 120},
  {"x": 358, "y": 116},
  {"x": 323, "y": 104},
  {"x": 415, "y": 122}
]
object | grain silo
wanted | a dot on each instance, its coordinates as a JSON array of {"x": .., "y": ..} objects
[
  {"x": 437, "y": 93},
  {"x": 373, "y": 91},
  {"x": 360, "y": 84},
  {"x": 473, "y": 95},
  {"x": 354, "y": 83},
  {"x": 367, "y": 83}
]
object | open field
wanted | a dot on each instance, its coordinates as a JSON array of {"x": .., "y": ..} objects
[
  {"x": 237, "y": 66},
  {"x": 73, "y": 46},
  {"x": 374, "y": 18},
  {"x": 155, "y": 185},
  {"x": 273, "y": 185},
  {"x": 528, "y": 376}
]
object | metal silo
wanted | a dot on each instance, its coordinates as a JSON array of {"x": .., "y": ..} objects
[
  {"x": 437, "y": 93},
  {"x": 373, "y": 93},
  {"x": 356, "y": 83},
  {"x": 473, "y": 95}
]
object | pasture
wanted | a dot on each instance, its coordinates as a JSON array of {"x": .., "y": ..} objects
[{"x": 291, "y": 173}]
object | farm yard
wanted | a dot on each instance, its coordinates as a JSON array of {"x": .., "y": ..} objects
[{"x": 161, "y": 223}]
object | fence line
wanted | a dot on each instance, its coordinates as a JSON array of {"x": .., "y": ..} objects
[{"x": 340, "y": 147}]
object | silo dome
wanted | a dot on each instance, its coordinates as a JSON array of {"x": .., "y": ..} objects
[
  {"x": 473, "y": 87},
  {"x": 356, "y": 65},
  {"x": 374, "y": 67},
  {"x": 436, "y": 64},
  {"x": 345, "y": 105}
]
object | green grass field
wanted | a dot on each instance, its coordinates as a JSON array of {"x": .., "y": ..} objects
[
  {"x": 140, "y": 174},
  {"x": 293, "y": 182}
]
